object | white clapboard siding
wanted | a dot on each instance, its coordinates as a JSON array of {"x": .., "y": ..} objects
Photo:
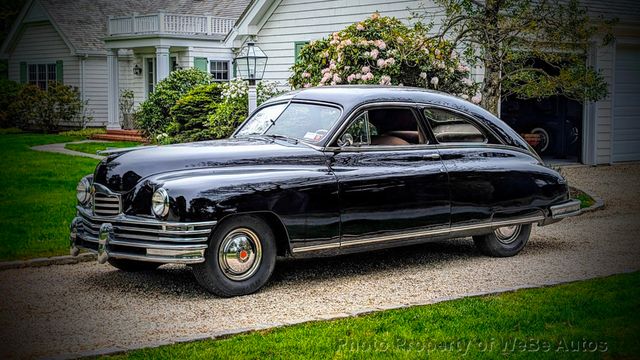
[
  {"x": 305, "y": 20},
  {"x": 40, "y": 43},
  {"x": 95, "y": 81},
  {"x": 605, "y": 60}
]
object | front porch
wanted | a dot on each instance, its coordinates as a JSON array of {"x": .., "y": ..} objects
[{"x": 142, "y": 50}]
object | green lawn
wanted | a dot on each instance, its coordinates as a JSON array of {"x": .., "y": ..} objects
[
  {"x": 567, "y": 321},
  {"x": 93, "y": 148},
  {"x": 38, "y": 196}
]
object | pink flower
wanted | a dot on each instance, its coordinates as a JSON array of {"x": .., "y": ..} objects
[
  {"x": 385, "y": 80},
  {"x": 366, "y": 69},
  {"x": 375, "y": 16},
  {"x": 436, "y": 52},
  {"x": 307, "y": 85},
  {"x": 333, "y": 83},
  {"x": 380, "y": 44},
  {"x": 434, "y": 81},
  {"x": 358, "y": 76},
  {"x": 334, "y": 42},
  {"x": 360, "y": 27},
  {"x": 306, "y": 75},
  {"x": 381, "y": 63},
  {"x": 374, "y": 54},
  {"x": 476, "y": 98},
  {"x": 364, "y": 42},
  {"x": 465, "y": 96},
  {"x": 390, "y": 61},
  {"x": 336, "y": 78},
  {"x": 400, "y": 40},
  {"x": 348, "y": 42},
  {"x": 332, "y": 66},
  {"x": 467, "y": 81},
  {"x": 325, "y": 70},
  {"x": 423, "y": 75},
  {"x": 351, "y": 77}
]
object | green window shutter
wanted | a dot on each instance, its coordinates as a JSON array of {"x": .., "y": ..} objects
[
  {"x": 235, "y": 70},
  {"x": 23, "y": 72},
  {"x": 297, "y": 46},
  {"x": 200, "y": 63},
  {"x": 59, "y": 72}
]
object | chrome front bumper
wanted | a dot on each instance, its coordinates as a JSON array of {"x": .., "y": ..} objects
[
  {"x": 139, "y": 238},
  {"x": 566, "y": 209}
]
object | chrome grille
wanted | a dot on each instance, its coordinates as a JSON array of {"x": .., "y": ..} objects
[{"x": 106, "y": 204}]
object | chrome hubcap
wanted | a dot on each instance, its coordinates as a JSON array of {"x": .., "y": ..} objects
[
  {"x": 508, "y": 234},
  {"x": 240, "y": 254}
]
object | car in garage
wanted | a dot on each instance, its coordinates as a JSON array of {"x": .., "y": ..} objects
[{"x": 317, "y": 172}]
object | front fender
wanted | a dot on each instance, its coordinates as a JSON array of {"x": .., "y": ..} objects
[{"x": 295, "y": 194}]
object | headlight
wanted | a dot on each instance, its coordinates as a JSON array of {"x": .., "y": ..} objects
[
  {"x": 160, "y": 203},
  {"x": 83, "y": 191}
]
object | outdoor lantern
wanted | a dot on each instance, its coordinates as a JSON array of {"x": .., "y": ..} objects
[
  {"x": 250, "y": 63},
  {"x": 137, "y": 70}
]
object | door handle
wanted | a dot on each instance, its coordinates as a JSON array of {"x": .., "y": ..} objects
[{"x": 431, "y": 157}]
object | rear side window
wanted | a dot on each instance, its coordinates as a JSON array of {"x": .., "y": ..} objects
[{"x": 449, "y": 127}]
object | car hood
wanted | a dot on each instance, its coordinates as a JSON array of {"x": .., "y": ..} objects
[{"x": 121, "y": 171}]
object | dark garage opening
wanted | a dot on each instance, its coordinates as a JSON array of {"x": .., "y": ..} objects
[{"x": 553, "y": 125}]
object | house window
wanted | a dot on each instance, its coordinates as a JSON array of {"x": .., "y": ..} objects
[
  {"x": 297, "y": 46},
  {"x": 219, "y": 70},
  {"x": 41, "y": 74}
]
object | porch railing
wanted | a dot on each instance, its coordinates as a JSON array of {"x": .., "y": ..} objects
[{"x": 161, "y": 23}]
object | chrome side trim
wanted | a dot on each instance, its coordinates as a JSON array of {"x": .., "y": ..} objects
[
  {"x": 315, "y": 248},
  {"x": 422, "y": 233},
  {"x": 159, "y": 259}
]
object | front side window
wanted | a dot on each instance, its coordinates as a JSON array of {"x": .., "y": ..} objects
[
  {"x": 449, "y": 127},
  {"x": 300, "y": 121},
  {"x": 219, "y": 70},
  {"x": 383, "y": 127},
  {"x": 41, "y": 74}
]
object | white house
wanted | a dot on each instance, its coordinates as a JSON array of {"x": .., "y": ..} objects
[{"x": 86, "y": 43}]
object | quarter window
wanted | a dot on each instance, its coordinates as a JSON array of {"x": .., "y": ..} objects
[
  {"x": 219, "y": 70},
  {"x": 449, "y": 127},
  {"x": 41, "y": 74}
]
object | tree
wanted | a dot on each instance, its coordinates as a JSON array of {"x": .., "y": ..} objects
[
  {"x": 530, "y": 49},
  {"x": 382, "y": 50}
]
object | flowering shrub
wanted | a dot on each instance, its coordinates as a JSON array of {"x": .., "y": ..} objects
[
  {"x": 212, "y": 111},
  {"x": 382, "y": 50}
]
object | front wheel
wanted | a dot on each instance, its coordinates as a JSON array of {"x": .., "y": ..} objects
[
  {"x": 504, "y": 241},
  {"x": 240, "y": 258}
]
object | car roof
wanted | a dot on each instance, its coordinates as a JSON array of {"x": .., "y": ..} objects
[{"x": 350, "y": 97}]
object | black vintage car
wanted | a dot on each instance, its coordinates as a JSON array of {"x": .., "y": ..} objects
[{"x": 323, "y": 171}]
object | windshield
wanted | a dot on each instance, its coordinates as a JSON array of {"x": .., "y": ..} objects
[{"x": 306, "y": 122}]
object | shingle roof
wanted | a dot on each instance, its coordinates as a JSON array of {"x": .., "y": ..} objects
[{"x": 84, "y": 22}]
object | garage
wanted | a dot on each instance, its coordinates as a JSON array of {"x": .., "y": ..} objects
[{"x": 626, "y": 104}]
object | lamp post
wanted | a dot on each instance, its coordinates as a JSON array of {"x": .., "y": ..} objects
[{"x": 250, "y": 64}]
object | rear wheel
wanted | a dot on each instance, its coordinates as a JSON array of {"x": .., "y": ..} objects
[
  {"x": 133, "y": 265},
  {"x": 504, "y": 241},
  {"x": 240, "y": 258}
]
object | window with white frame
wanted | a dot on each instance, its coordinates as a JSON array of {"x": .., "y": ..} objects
[
  {"x": 41, "y": 74},
  {"x": 219, "y": 70}
]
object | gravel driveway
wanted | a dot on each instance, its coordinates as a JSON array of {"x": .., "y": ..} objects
[{"x": 70, "y": 309}]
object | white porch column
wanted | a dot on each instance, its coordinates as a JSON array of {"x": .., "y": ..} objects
[
  {"x": 162, "y": 62},
  {"x": 113, "y": 88}
]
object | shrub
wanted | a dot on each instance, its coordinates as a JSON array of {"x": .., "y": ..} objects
[
  {"x": 46, "y": 110},
  {"x": 227, "y": 118},
  {"x": 382, "y": 50},
  {"x": 8, "y": 92},
  {"x": 154, "y": 116},
  {"x": 190, "y": 114}
]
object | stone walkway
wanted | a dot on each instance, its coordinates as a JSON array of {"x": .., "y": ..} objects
[{"x": 60, "y": 148}]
